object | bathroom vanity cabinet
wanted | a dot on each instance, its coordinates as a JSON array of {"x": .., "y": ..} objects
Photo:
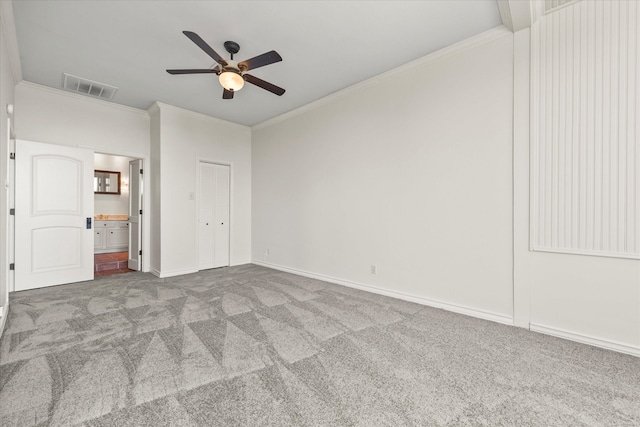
[{"x": 110, "y": 236}]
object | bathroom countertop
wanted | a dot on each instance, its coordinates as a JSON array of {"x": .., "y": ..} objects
[{"x": 111, "y": 217}]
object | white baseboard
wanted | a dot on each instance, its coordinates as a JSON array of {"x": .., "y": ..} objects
[
  {"x": 455, "y": 308},
  {"x": 165, "y": 274},
  {"x": 586, "y": 339}
]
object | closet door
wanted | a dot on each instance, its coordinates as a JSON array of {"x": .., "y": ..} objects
[
  {"x": 221, "y": 217},
  {"x": 213, "y": 215}
]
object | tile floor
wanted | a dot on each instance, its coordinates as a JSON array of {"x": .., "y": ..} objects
[{"x": 108, "y": 264}]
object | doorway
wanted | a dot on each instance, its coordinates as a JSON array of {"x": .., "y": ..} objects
[
  {"x": 117, "y": 230},
  {"x": 214, "y": 192},
  {"x": 55, "y": 221}
]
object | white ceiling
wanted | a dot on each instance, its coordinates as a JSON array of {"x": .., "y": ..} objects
[{"x": 325, "y": 45}]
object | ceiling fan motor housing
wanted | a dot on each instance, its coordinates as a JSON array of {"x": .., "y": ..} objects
[{"x": 232, "y": 47}]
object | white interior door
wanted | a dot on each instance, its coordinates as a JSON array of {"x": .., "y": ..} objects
[
  {"x": 205, "y": 218},
  {"x": 221, "y": 216},
  {"x": 213, "y": 215},
  {"x": 135, "y": 216},
  {"x": 54, "y": 215}
]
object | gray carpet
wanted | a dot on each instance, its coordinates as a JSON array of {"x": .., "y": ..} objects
[{"x": 250, "y": 346}]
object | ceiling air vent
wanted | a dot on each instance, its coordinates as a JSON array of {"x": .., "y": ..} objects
[
  {"x": 88, "y": 87},
  {"x": 553, "y": 5}
]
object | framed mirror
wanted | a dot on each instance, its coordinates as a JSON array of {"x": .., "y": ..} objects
[{"x": 106, "y": 182}]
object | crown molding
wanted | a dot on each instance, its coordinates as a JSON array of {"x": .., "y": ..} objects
[
  {"x": 455, "y": 49},
  {"x": 154, "y": 109},
  {"x": 8, "y": 28},
  {"x": 505, "y": 13},
  {"x": 159, "y": 106},
  {"x": 78, "y": 97},
  {"x": 516, "y": 14}
]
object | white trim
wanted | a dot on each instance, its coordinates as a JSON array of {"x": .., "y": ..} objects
[
  {"x": 165, "y": 274},
  {"x": 516, "y": 14},
  {"x": 154, "y": 109},
  {"x": 537, "y": 9},
  {"x": 155, "y": 272},
  {"x": 505, "y": 13},
  {"x": 520, "y": 175},
  {"x": 586, "y": 339},
  {"x": 85, "y": 98},
  {"x": 586, "y": 253},
  {"x": 243, "y": 262},
  {"x": 3, "y": 318},
  {"x": 455, "y": 308},
  {"x": 8, "y": 28},
  {"x": 162, "y": 106},
  {"x": 454, "y": 49},
  {"x": 132, "y": 155}
]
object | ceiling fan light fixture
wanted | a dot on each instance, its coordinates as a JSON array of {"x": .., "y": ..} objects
[
  {"x": 231, "y": 74},
  {"x": 231, "y": 81}
]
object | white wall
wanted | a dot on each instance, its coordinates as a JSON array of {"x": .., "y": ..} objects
[
  {"x": 184, "y": 139},
  {"x": 58, "y": 117},
  {"x": 114, "y": 204},
  {"x": 587, "y": 298},
  {"x": 416, "y": 179},
  {"x": 411, "y": 173}
]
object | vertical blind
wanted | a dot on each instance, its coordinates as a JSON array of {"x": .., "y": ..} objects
[{"x": 585, "y": 141}]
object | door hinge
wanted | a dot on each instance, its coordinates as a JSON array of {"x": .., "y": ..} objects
[
  {"x": 12, "y": 266},
  {"x": 140, "y": 252},
  {"x": 140, "y": 211},
  {"x": 12, "y": 211},
  {"x": 12, "y": 156},
  {"x": 140, "y": 171}
]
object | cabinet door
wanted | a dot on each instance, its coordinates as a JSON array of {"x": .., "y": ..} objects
[
  {"x": 117, "y": 238},
  {"x": 98, "y": 238}
]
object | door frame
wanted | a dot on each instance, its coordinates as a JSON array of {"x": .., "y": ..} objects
[
  {"x": 146, "y": 239},
  {"x": 140, "y": 217},
  {"x": 146, "y": 203},
  {"x": 200, "y": 160}
]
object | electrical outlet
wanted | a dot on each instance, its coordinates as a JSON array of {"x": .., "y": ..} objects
[
  {"x": 267, "y": 252},
  {"x": 374, "y": 269}
]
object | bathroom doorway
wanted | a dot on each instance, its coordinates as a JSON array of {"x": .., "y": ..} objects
[{"x": 113, "y": 226}]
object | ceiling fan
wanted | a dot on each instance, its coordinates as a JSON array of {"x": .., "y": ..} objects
[{"x": 232, "y": 74}]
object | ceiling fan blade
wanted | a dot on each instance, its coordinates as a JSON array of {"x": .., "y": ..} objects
[
  {"x": 204, "y": 46},
  {"x": 260, "y": 61},
  {"x": 264, "y": 85},
  {"x": 227, "y": 94},
  {"x": 195, "y": 71}
]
